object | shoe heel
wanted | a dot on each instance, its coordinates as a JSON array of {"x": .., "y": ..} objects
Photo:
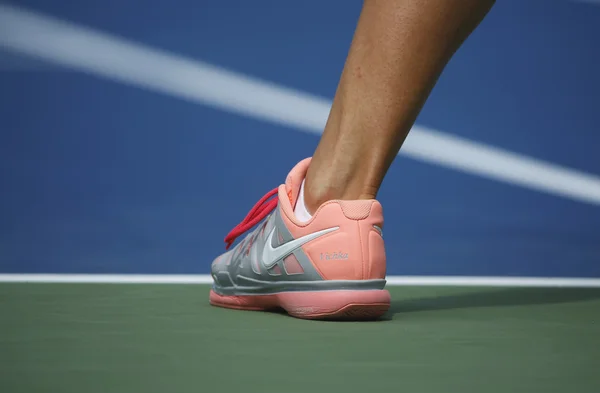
[{"x": 337, "y": 304}]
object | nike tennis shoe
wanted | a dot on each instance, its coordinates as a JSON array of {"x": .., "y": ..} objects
[{"x": 331, "y": 267}]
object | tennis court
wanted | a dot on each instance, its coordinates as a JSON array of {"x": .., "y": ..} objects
[{"x": 156, "y": 338}]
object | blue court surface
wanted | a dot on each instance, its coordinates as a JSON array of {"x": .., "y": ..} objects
[{"x": 134, "y": 135}]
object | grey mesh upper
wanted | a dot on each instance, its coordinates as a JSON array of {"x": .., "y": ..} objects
[{"x": 242, "y": 265}]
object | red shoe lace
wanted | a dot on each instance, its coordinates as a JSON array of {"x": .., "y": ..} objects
[{"x": 262, "y": 208}]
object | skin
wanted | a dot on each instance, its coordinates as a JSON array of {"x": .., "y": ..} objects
[{"x": 399, "y": 49}]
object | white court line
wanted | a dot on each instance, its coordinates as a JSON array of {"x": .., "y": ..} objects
[
  {"x": 391, "y": 280},
  {"x": 107, "y": 56}
]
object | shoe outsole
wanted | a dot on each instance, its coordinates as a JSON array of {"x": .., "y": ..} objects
[{"x": 347, "y": 305}]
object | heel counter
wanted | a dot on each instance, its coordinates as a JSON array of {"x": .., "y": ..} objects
[
  {"x": 368, "y": 216},
  {"x": 371, "y": 233},
  {"x": 376, "y": 256},
  {"x": 355, "y": 250}
]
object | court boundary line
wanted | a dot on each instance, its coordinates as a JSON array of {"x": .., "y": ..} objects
[
  {"x": 110, "y": 57},
  {"x": 462, "y": 281}
]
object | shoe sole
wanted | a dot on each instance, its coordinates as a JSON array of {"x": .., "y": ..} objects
[{"x": 327, "y": 305}]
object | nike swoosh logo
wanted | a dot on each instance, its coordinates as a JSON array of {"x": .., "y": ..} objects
[{"x": 271, "y": 255}]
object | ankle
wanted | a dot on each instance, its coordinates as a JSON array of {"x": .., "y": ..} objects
[{"x": 315, "y": 194}]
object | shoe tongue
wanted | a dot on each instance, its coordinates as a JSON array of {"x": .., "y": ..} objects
[{"x": 294, "y": 180}]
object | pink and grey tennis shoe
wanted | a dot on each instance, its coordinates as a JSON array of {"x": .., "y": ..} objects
[{"x": 331, "y": 267}]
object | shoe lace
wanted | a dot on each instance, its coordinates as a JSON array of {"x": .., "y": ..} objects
[{"x": 260, "y": 210}]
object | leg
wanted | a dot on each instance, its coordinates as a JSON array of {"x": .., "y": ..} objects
[{"x": 399, "y": 49}]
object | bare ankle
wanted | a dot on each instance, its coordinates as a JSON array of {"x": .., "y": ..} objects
[{"x": 318, "y": 192}]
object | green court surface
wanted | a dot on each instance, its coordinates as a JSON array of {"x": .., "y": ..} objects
[{"x": 166, "y": 338}]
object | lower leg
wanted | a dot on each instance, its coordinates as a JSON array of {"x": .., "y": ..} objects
[{"x": 399, "y": 49}]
